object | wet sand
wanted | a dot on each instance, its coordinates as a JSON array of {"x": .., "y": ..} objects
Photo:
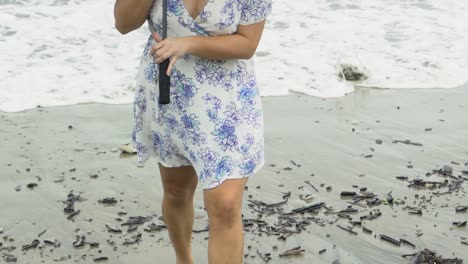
[{"x": 329, "y": 143}]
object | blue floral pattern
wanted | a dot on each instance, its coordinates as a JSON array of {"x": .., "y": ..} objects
[{"x": 215, "y": 119}]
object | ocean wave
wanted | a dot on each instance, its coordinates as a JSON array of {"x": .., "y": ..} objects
[{"x": 62, "y": 52}]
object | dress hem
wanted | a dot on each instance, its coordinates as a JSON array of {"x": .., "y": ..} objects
[
  {"x": 261, "y": 164},
  {"x": 141, "y": 162}
]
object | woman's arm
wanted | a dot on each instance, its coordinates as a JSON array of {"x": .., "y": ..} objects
[
  {"x": 241, "y": 45},
  {"x": 131, "y": 14}
]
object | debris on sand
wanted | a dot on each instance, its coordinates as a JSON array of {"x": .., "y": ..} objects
[
  {"x": 132, "y": 240},
  {"x": 461, "y": 208},
  {"x": 81, "y": 241},
  {"x": 428, "y": 256},
  {"x": 134, "y": 222},
  {"x": 348, "y": 229},
  {"x": 113, "y": 229},
  {"x": 265, "y": 257},
  {"x": 101, "y": 259},
  {"x": 408, "y": 142},
  {"x": 293, "y": 213},
  {"x": 154, "y": 227},
  {"x": 75, "y": 213},
  {"x": 33, "y": 244},
  {"x": 402, "y": 178},
  {"x": 406, "y": 242},
  {"x": 31, "y": 185},
  {"x": 348, "y": 193},
  {"x": 70, "y": 205},
  {"x": 108, "y": 201},
  {"x": 390, "y": 239},
  {"x": 460, "y": 224},
  {"x": 311, "y": 185},
  {"x": 10, "y": 258},
  {"x": 70, "y": 202},
  {"x": 292, "y": 251},
  {"x": 52, "y": 242}
]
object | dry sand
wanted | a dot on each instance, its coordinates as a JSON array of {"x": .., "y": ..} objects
[{"x": 326, "y": 142}]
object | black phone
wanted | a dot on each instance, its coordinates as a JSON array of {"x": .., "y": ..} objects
[{"x": 164, "y": 83}]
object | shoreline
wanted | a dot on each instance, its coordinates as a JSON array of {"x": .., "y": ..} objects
[{"x": 356, "y": 88}]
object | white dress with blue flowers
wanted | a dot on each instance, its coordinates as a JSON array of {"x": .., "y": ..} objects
[{"x": 214, "y": 121}]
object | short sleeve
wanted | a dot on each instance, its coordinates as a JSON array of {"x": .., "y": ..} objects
[{"x": 254, "y": 11}]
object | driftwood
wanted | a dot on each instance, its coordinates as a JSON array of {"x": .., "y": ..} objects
[
  {"x": 408, "y": 142},
  {"x": 113, "y": 230},
  {"x": 33, "y": 244},
  {"x": 292, "y": 251},
  {"x": 70, "y": 216},
  {"x": 348, "y": 230},
  {"x": 307, "y": 208},
  {"x": 154, "y": 228},
  {"x": 391, "y": 240},
  {"x": 366, "y": 230},
  {"x": 99, "y": 259},
  {"x": 404, "y": 241},
  {"x": 428, "y": 256},
  {"x": 80, "y": 241},
  {"x": 311, "y": 185},
  {"x": 265, "y": 257},
  {"x": 133, "y": 240}
]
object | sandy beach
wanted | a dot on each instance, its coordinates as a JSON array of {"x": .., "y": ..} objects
[{"x": 332, "y": 145}]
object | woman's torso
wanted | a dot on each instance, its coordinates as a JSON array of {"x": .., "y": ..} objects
[{"x": 218, "y": 17}]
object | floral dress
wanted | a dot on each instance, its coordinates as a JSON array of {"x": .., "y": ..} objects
[{"x": 214, "y": 121}]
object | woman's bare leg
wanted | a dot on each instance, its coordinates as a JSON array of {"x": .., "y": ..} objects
[
  {"x": 179, "y": 186},
  {"x": 224, "y": 207}
]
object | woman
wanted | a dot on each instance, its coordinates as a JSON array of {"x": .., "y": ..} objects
[{"x": 212, "y": 130}]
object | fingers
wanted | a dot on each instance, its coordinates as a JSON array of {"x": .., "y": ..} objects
[
  {"x": 160, "y": 52},
  {"x": 171, "y": 63},
  {"x": 156, "y": 37},
  {"x": 162, "y": 55},
  {"x": 156, "y": 47}
]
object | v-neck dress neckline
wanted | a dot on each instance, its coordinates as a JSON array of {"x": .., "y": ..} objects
[{"x": 199, "y": 14}]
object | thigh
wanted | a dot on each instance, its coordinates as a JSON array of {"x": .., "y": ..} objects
[{"x": 178, "y": 180}]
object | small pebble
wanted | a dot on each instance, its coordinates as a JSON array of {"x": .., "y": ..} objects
[
  {"x": 447, "y": 169},
  {"x": 31, "y": 185}
]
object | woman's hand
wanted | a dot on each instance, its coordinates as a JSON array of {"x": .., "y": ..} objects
[{"x": 173, "y": 48}]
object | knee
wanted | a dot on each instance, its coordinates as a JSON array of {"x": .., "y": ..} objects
[
  {"x": 178, "y": 195},
  {"x": 225, "y": 211}
]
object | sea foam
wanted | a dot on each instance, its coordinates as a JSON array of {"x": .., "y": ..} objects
[{"x": 61, "y": 52}]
